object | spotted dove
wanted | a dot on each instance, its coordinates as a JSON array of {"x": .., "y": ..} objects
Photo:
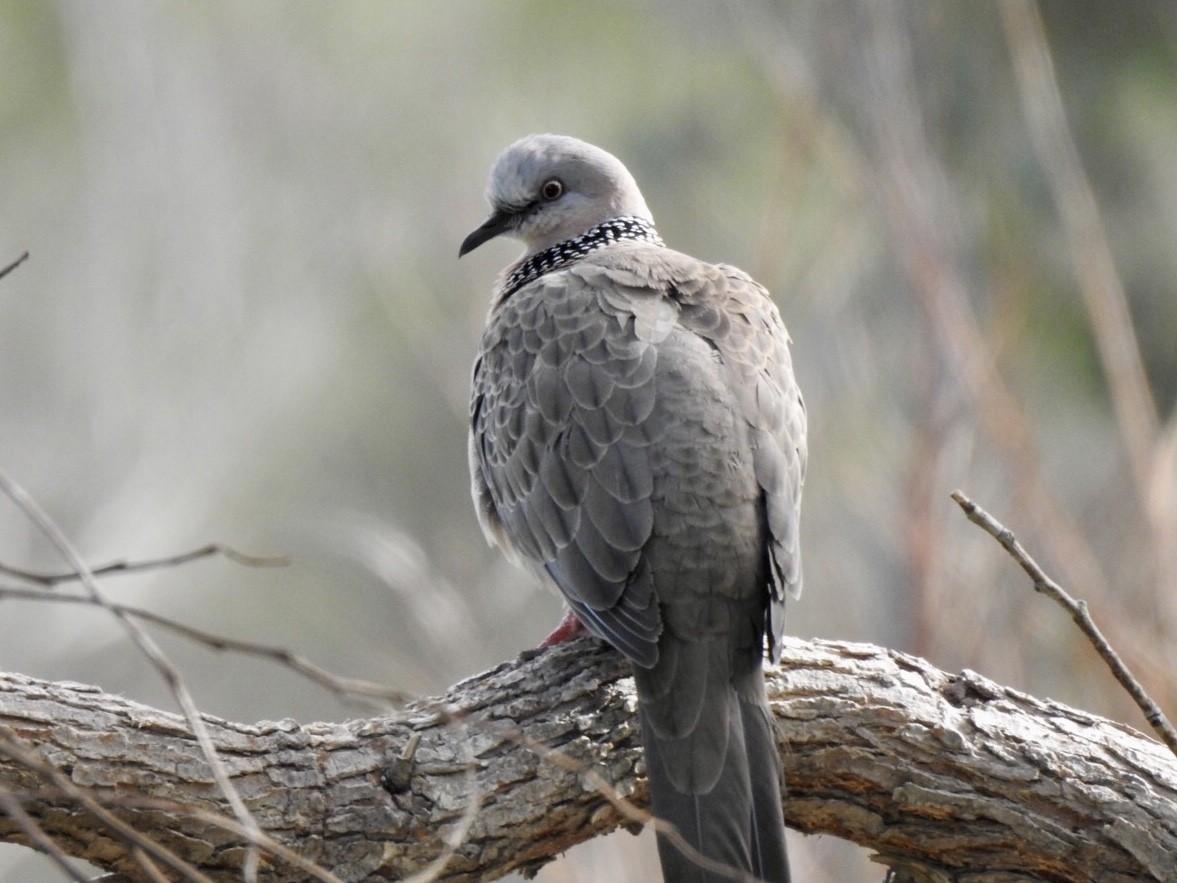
[{"x": 637, "y": 441}]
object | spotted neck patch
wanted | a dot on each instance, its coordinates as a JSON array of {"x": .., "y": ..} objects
[{"x": 626, "y": 228}]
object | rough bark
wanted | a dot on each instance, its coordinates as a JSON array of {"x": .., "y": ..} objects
[{"x": 946, "y": 777}]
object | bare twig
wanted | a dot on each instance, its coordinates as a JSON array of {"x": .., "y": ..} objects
[
  {"x": 123, "y": 566},
  {"x": 149, "y": 867},
  {"x": 1079, "y": 613},
  {"x": 27, "y": 758},
  {"x": 225, "y": 823},
  {"x": 37, "y": 838},
  {"x": 342, "y": 686},
  {"x": 163, "y": 664},
  {"x": 141, "y": 844},
  {"x": 20, "y": 260},
  {"x": 279, "y": 850},
  {"x": 245, "y": 826}
]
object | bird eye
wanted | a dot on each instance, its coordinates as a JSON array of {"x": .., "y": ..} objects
[{"x": 552, "y": 189}]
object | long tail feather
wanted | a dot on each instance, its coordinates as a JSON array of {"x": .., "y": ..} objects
[{"x": 737, "y": 826}]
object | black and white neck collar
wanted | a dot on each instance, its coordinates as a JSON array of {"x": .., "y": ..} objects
[{"x": 621, "y": 229}]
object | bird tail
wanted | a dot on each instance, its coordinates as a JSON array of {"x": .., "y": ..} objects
[
  {"x": 734, "y": 829},
  {"x": 770, "y": 858}
]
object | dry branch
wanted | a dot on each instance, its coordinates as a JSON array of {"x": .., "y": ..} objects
[
  {"x": 946, "y": 777},
  {"x": 1079, "y": 613},
  {"x": 122, "y": 566},
  {"x": 155, "y": 655},
  {"x": 20, "y": 260}
]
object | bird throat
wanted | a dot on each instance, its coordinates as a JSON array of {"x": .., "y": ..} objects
[{"x": 626, "y": 228}]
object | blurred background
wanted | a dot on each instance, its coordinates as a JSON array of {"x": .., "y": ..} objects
[{"x": 243, "y": 320}]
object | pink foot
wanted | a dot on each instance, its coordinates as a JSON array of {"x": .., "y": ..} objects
[{"x": 568, "y": 628}]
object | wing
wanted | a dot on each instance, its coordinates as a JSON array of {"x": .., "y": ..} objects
[
  {"x": 746, "y": 328},
  {"x": 562, "y": 418}
]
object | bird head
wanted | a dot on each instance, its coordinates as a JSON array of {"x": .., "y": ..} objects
[{"x": 544, "y": 189}]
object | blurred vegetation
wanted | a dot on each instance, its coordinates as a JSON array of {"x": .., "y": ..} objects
[{"x": 243, "y": 320}]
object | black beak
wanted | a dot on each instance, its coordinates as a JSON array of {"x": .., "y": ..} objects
[{"x": 499, "y": 222}]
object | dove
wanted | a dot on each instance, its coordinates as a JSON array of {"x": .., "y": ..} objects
[{"x": 638, "y": 443}]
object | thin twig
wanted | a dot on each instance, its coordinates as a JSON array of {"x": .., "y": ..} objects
[
  {"x": 20, "y": 260},
  {"x": 284, "y": 853},
  {"x": 149, "y": 867},
  {"x": 337, "y": 684},
  {"x": 1079, "y": 613},
  {"x": 245, "y": 825},
  {"x": 61, "y": 784},
  {"x": 163, "y": 664},
  {"x": 38, "y": 839},
  {"x": 140, "y": 842},
  {"x": 30, "y": 760},
  {"x": 123, "y": 566},
  {"x": 341, "y": 686},
  {"x": 263, "y": 840}
]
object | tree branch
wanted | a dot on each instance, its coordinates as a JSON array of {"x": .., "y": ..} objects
[
  {"x": 155, "y": 655},
  {"x": 946, "y": 777},
  {"x": 8, "y": 269},
  {"x": 123, "y": 566},
  {"x": 1079, "y": 614}
]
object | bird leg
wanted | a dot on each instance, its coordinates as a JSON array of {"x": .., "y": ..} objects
[{"x": 567, "y": 629}]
